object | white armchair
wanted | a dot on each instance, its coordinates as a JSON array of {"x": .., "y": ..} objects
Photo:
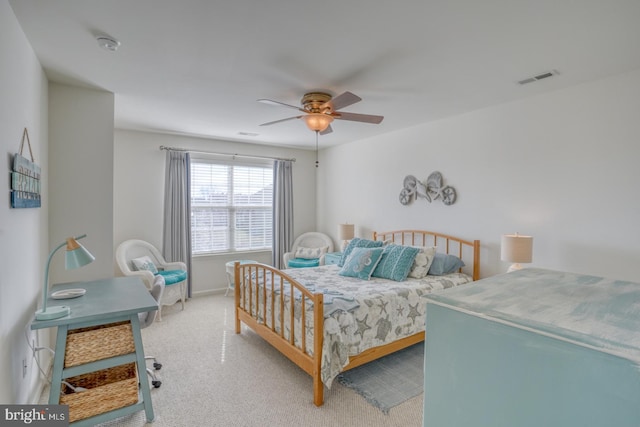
[
  {"x": 174, "y": 273},
  {"x": 310, "y": 240}
]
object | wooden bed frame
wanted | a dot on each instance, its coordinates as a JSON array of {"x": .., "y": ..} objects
[{"x": 250, "y": 277}]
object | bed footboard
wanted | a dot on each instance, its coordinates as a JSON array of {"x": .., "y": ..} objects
[{"x": 263, "y": 295}]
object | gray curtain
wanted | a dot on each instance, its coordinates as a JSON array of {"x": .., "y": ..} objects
[
  {"x": 282, "y": 210},
  {"x": 176, "y": 239}
]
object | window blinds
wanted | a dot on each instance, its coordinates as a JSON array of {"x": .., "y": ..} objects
[{"x": 231, "y": 206}]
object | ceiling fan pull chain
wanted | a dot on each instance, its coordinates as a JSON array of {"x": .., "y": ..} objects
[{"x": 317, "y": 149}]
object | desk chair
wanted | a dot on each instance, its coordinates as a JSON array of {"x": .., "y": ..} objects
[{"x": 146, "y": 319}]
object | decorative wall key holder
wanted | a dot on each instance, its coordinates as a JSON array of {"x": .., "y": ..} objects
[{"x": 431, "y": 190}]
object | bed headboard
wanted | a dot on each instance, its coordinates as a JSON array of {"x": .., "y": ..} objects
[{"x": 467, "y": 250}]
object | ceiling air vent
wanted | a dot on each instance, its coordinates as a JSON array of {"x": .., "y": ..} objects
[{"x": 538, "y": 77}]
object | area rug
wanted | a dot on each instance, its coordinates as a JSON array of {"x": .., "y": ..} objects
[{"x": 391, "y": 380}]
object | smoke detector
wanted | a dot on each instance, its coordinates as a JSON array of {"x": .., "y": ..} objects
[{"x": 108, "y": 43}]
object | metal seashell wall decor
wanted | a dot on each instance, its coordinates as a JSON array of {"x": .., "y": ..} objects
[{"x": 432, "y": 189}]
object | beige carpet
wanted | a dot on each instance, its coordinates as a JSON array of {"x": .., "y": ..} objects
[{"x": 213, "y": 377}]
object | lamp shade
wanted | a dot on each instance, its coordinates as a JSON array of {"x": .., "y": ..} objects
[
  {"x": 516, "y": 249},
  {"x": 76, "y": 255},
  {"x": 346, "y": 231},
  {"x": 317, "y": 121}
]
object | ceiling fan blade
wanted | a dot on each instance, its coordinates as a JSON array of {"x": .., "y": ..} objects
[
  {"x": 327, "y": 130},
  {"x": 343, "y": 100},
  {"x": 355, "y": 117},
  {"x": 281, "y": 120},
  {"x": 280, "y": 104}
]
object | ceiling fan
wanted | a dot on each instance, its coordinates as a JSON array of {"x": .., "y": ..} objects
[{"x": 320, "y": 109}]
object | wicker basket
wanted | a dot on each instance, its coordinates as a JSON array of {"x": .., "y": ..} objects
[
  {"x": 107, "y": 390},
  {"x": 97, "y": 343}
]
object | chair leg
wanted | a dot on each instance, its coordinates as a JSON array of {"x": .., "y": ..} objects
[
  {"x": 183, "y": 289},
  {"x": 159, "y": 318}
]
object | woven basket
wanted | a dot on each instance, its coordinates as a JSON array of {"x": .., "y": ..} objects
[
  {"x": 107, "y": 390},
  {"x": 99, "y": 342}
]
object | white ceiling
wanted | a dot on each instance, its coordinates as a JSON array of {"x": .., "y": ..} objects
[{"x": 197, "y": 67}]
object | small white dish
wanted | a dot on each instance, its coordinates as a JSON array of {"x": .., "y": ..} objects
[{"x": 68, "y": 293}]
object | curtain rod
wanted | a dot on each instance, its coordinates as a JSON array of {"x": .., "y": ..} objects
[{"x": 162, "y": 147}]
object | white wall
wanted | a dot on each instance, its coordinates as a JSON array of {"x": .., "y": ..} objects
[
  {"x": 562, "y": 167},
  {"x": 71, "y": 133},
  {"x": 81, "y": 177},
  {"x": 139, "y": 194},
  {"x": 23, "y": 232}
]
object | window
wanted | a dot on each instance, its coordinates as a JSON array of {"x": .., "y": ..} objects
[{"x": 231, "y": 206}]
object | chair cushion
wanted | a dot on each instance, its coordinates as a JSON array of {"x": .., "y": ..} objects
[
  {"x": 303, "y": 262},
  {"x": 172, "y": 277}
]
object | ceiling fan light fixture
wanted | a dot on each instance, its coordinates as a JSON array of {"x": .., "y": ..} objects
[{"x": 317, "y": 122}]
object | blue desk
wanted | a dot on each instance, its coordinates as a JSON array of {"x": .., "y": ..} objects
[{"x": 106, "y": 301}]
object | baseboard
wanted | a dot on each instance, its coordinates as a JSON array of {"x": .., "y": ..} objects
[
  {"x": 35, "y": 397},
  {"x": 210, "y": 292}
]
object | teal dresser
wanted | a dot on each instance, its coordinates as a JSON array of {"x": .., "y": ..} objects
[{"x": 534, "y": 348}]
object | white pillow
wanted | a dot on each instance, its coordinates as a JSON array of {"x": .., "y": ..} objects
[
  {"x": 144, "y": 263},
  {"x": 422, "y": 262},
  {"x": 310, "y": 253}
]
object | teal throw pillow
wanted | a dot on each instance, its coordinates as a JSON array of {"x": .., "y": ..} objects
[
  {"x": 396, "y": 262},
  {"x": 361, "y": 262},
  {"x": 357, "y": 242},
  {"x": 445, "y": 264}
]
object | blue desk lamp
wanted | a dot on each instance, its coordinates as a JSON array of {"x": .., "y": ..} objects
[{"x": 76, "y": 256}]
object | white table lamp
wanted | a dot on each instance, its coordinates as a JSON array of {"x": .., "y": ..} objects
[
  {"x": 76, "y": 256},
  {"x": 516, "y": 249},
  {"x": 345, "y": 233}
]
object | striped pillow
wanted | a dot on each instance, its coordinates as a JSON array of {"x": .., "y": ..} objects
[{"x": 396, "y": 262}]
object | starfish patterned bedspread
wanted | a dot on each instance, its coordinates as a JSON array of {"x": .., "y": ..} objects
[{"x": 362, "y": 314}]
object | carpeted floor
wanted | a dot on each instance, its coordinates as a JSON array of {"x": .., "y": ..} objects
[{"x": 213, "y": 377}]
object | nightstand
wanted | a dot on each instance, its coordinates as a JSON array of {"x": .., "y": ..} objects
[{"x": 332, "y": 258}]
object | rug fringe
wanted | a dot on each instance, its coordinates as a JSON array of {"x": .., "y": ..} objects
[{"x": 370, "y": 399}]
